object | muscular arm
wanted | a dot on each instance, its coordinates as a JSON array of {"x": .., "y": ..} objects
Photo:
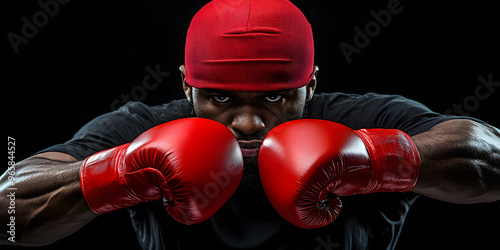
[
  {"x": 460, "y": 162},
  {"x": 48, "y": 200}
]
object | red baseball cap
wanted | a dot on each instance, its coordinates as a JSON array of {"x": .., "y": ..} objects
[{"x": 249, "y": 45}]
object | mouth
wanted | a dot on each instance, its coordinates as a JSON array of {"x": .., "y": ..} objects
[{"x": 250, "y": 148}]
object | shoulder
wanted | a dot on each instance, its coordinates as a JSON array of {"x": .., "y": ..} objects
[
  {"x": 171, "y": 111},
  {"x": 132, "y": 119},
  {"x": 361, "y": 100},
  {"x": 372, "y": 110},
  {"x": 119, "y": 127},
  {"x": 341, "y": 106},
  {"x": 139, "y": 112}
]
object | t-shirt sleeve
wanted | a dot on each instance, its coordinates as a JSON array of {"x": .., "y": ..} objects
[
  {"x": 378, "y": 111},
  {"x": 118, "y": 127}
]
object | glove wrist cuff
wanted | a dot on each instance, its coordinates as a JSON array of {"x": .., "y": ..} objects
[
  {"x": 394, "y": 159},
  {"x": 100, "y": 176}
]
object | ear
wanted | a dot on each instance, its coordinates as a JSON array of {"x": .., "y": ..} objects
[
  {"x": 311, "y": 87},
  {"x": 188, "y": 90}
]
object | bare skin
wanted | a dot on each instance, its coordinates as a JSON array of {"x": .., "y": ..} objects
[
  {"x": 48, "y": 201},
  {"x": 460, "y": 161}
]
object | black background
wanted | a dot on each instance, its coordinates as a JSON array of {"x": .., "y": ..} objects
[{"x": 90, "y": 53}]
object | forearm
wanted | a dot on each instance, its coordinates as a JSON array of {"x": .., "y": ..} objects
[
  {"x": 460, "y": 162},
  {"x": 47, "y": 201}
]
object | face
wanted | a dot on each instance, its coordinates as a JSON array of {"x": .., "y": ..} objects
[{"x": 249, "y": 115}]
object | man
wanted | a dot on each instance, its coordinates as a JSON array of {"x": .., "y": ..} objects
[{"x": 249, "y": 66}]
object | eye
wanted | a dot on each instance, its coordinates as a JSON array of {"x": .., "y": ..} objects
[
  {"x": 220, "y": 98},
  {"x": 273, "y": 98}
]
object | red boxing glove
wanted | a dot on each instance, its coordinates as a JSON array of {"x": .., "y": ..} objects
[
  {"x": 195, "y": 164},
  {"x": 306, "y": 164}
]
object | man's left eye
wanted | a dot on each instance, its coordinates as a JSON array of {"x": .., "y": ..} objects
[{"x": 273, "y": 98}]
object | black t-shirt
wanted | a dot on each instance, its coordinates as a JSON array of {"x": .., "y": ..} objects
[{"x": 373, "y": 220}]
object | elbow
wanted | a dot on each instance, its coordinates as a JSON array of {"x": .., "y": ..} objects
[
  {"x": 461, "y": 162},
  {"x": 19, "y": 236},
  {"x": 459, "y": 194},
  {"x": 488, "y": 188},
  {"x": 482, "y": 186},
  {"x": 24, "y": 243},
  {"x": 33, "y": 242},
  {"x": 21, "y": 226},
  {"x": 467, "y": 182},
  {"x": 463, "y": 194},
  {"x": 481, "y": 164},
  {"x": 477, "y": 194}
]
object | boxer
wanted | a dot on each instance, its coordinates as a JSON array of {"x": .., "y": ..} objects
[{"x": 247, "y": 171}]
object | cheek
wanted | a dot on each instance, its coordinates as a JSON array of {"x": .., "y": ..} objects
[
  {"x": 287, "y": 112},
  {"x": 297, "y": 105},
  {"x": 295, "y": 112},
  {"x": 204, "y": 109},
  {"x": 294, "y": 108}
]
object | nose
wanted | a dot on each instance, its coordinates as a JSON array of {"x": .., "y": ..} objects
[{"x": 247, "y": 121}]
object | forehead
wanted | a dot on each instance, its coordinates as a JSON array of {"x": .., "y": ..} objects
[{"x": 247, "y": 93}]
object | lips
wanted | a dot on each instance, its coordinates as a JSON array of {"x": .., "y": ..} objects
[{"x": 250, "y": 148}]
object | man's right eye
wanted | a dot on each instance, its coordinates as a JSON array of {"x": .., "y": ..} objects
[{"x": 220, "y": 98}]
